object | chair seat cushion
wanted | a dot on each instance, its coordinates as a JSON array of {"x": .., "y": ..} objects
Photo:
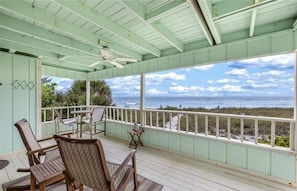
[
  {"x": 69, "y": 121},
  {"x": 86, "y": 120}
]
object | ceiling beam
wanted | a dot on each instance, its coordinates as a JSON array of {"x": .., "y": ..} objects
[
  {"x": 65, "y": 65},
  {"x": 205, "y": 7},
  {"x": 199, "y": 17},
  {"x": 42, "y": 17},
  {"x": 107, "y": 24},
  {"x": 224, "y": 9},
  {"x": 295, "y": 25},
  {"x": 43, "y": 34},
  {"x": 36, "y": 43},
  {"x": 24, "y": 48},
  {"x": 163, "y": 11},
  {"x": 139, "y": 10},
  {"x": 253, "y": 22}
]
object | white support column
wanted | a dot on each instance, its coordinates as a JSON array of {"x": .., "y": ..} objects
[
  {"x": 38, "y": 85},
  {"x": 293, "y": 130},
  {"x": 88, "y": 93},
  {"x": 142, "y": 98}
]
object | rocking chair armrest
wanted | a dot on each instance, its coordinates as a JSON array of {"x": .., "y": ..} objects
[
  {"x": 45, "y": 139},
  {"x": 49, "y": 138},
  {"x": 23, "y": 170},
  {"x": 68, "y": 134},
  {"x": 41, "y": 150},
  {"x": 130, "y": 157}
]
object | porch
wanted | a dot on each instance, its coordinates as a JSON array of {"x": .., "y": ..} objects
[{"x": 174, "y": 171}]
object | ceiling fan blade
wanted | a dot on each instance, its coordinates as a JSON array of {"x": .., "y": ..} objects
[
  {"x": 125, "y": 59},
  {"x": 94, "y": 64},
  {"x": 116, "y": 64}
]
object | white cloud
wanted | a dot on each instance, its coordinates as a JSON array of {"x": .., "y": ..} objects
[
  {"x": 155, "y": 92},
  {"x": 275, "y": 61},
  {"x": 269, "y": 73},
  {"x": 63, "y": 84},
  {"x": 226, "y": 88},
  {"x": 237, "y": 72},
  {"x": 204, "y": 67},
  {"x": 214, "y": 89},
  {"x": 210, "y": 82},
  {"x": 232, "y": 88},
  {"x": 59, "y": 88},
  {"x": 166, "y": 76},
  {"x": 124, "y": 81},
  {"x": 223, "y": 81},
  {"x": 183, "y": 89}
]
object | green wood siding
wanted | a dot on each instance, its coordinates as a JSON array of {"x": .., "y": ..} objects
[
  {"x": 266, "y": 162},
  {"x": 18, "y": 98}
]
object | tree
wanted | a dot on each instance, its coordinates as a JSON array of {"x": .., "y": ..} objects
[
  {"x": 48, "y": 92},
  {"x": 100, "y": 93}
]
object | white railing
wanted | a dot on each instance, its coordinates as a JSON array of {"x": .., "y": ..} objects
[
  {"x": 241, "y": 128},
  {"x": 48, "y": 115}
]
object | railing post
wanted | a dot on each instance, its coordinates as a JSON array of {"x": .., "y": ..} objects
[
  {"x": 178, "y": 123},
  {"x": 196, "y": 124},
  {"x": 272, "y": 141},
  {"x": 228, "y": 128},
  {"x": 157, "y": 119},
  {"x": 187, "y": 123},
  {"x": 217, "y": 127},
  {"x": 206, "y": 125},
  {"x": 293, "y": 136},
  {"x": 241, "y": 129},
  {"x": 256, "y": 131},
  {"x": 142, "y": 92}
]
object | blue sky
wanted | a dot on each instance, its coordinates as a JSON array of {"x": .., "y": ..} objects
[{"x": 266, "y": 76}]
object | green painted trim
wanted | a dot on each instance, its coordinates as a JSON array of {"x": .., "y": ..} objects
[{"x": 63, "y": 73}]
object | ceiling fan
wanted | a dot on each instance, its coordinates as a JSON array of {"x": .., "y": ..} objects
[{"x": 107, "y": 56}]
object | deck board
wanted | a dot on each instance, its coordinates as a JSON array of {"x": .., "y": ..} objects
[{"x": 173, "y": 171}]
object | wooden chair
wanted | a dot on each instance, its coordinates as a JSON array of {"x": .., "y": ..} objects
[
  {"x": 85, "y": 165},
  {"x": 67, "y": 122},
  {"x": 96, "y": 118},
  {"x": 34, "y": 151}
]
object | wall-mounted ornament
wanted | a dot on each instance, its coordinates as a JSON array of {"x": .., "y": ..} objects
[{"x": 23, "y": 85}]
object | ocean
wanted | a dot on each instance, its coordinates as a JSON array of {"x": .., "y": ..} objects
[{"x": 205, "y": 102}]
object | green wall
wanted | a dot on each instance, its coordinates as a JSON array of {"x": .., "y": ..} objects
[{"x": 18, "y": 98}]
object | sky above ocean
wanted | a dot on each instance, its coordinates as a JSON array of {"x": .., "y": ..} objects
[{"x": 265, "y": 76}]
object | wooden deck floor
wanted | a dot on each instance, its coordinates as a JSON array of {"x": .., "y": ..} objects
[{"x": 173, "y": 171}]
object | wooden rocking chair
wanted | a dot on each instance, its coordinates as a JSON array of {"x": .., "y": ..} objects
[{"x": 34, "y": 152}]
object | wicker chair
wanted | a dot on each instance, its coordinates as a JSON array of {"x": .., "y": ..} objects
[
  {"x": 85, "y": 164},
  {"x": 95, "y": 119}
]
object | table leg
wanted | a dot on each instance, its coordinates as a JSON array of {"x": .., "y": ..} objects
[
  {"x": 139, "y": 139},
  {"x": 32, "y": 182},
  {"x": 80, "y": 126},
  {"x": 42, "y": 186},
  {"x": 132, "y": 140}
]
